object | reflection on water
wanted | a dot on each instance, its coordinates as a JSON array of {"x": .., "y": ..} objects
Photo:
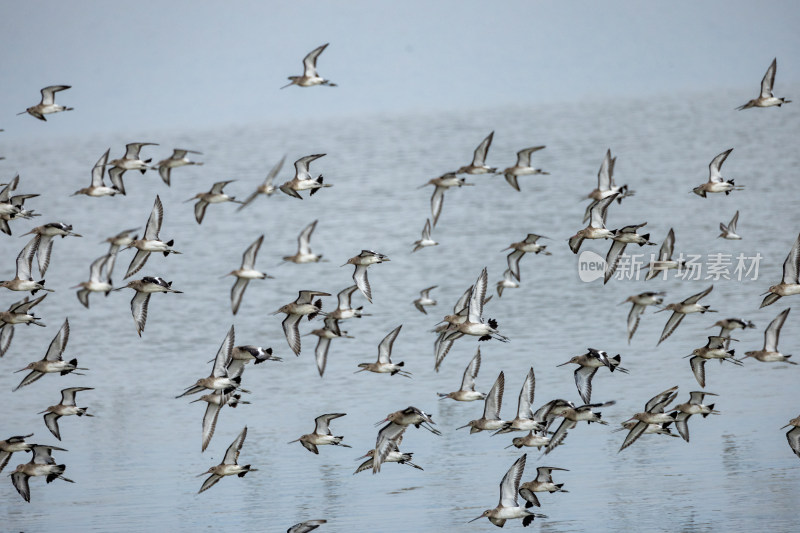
[{"x": 135, "y": 463}]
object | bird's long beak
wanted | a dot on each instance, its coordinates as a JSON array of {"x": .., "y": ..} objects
[
  {"x": 201, "y": 475},
  {"x": 379, "y": 422},
  {"x": 562, "y": 364},
  {"x": 291, "y": 441},
  {"x": 20, "y": 370},
  {"x": 367, "y": 455},
  {"x": 481, "y": 516}
]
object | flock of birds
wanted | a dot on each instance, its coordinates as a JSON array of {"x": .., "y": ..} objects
[{"x": 223, "y": 386}]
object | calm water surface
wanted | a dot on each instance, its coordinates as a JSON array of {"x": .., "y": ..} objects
[{"x": 135, "y": 463}]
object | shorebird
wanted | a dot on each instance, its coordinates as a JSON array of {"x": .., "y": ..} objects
[
  {"x": 48, "y": 104},
  {"x": 23, "y": 280},
  {"x": 509, "y": 508},
  {"x": 322, "y": 434},
  {"x": 41, "y": 464},
  {"x": 542, "y": 483},
  {"x": 213, "y": 196},
  {"x": 790, "y": 283},
  {"x": 729, "y": 231},
  {"x": 622, "y": 238},
  {"x": 793, "y": 435},
  {"x": 304, "y": 253},
  {"x": 665, "y": 261},
  {"x": 150, "y": 242},
  {"x": 229, "y": 465},
  {"x": 507, "y": 282},
  {"x": 384, "y": 363},
  {"x": 97, "y": 281},
  {"x": 653, "y": 414},
  {"x": 144, "y": 288},
  {"x": 12, "y": 207},
  {"x": 122, "y": 238},
  {"x": 361, "y": 262},
  {"x": 394, "y": 456},
  {"x": 716, "y": 183},
  {"x": 216, "y": 400},
  {"x": 219, "y": 379},
  {"x": 467, "y": 391},
  {"x": 51, "y": 362},
  {"x": 442, "y": 184},
  {"x": 44, "y": 237},
  {"x": 425, "y": 240},
  {"x": 310, "y": 76},
  {"x": 11, "y": 445},
  {"x": 693, "y": 407},
  {"x": 533, "y": 440},
  {"x": 302, "y": 306},
  {"x": 605, "y": 185},
  {"x": 521, "y": 248},
  {"x": 474, "y": 324},
  {"x": 424, "y": 299},
  {"x": 660, "y": 429},
  {"x": 730, "y": 324},
  {"x": 588, "y": 365},
  {"x": 326, "y": 334},
  {"x": 524, "y": 421},
  {"x": 303, "y": 181},
  {"x": 765, "y": 99},
  {"x": 390, "y": 435},
  {"x": 98, "y": 187},
  {"x": 65, "y": 408},
  {"x": 478, "y": 165},
  {"x": 597, "y": 225},
  {"x": 523, "y": 167},
  {"x": 344, "y": 309},
  {"x": 305, "y": 527},
  {"x": 177, "y": 159},
  {"x": 245, "y": 273},
  {"x": 130, "y": 161},
  {"x": 572, "y": 415},
  {"x": 681, "y": 309},
  {"x": 18, "y": 313},
  {"x": 770, "y": 353},
  {"x": 266, "y": 188},
  {"x": 715, "y": 348},
  {"x": 640, "y": 302},
  {"x": 490, "y": 420},
  {"x": 440, "y": 346}
]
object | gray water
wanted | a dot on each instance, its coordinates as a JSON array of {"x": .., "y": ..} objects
[{"x": 135, "y": 463}]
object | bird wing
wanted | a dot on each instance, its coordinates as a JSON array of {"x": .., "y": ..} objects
[
  {"x": 44, "y": 249},
  {"x": 51, "y": 421},
  {"x": 665, "y": 252},
  {"x": 635, "y": 432},
  {"x": 99, "y": 169},
  {"x": 477, "y": 298},
  {"x": 237, "y": 291},
  {"x": 604, "y": 175},
  {"x": 697, "y": 297},
  {"x": 658, "y": 403},
  {"x": 791, "y": 267},
  {"x": 310, "y": 61},
  {"x": 526, "y": 396},
  {"x": 224, "y": 355},
  {"x": 58, "y": 343},
  {"x": 200, "y": 210},
  {"x": 209, "y": 482},
  {"x": 479, "y": 157},
  {"x": 210, "y": 422},
  {"x": 304, "y": 239},
  {"x": 232, "y": 453},
  {"x": 769, "y": 79},
  {"x": 774, "y": 330},
  {"x": 385, "y": 347},
  {"x": 218, "y": 186},
  {"x": 513, "y": 262},
  {"x": 437, "y": 199},
  {"x": 249, "y": 256},
  {"x": 139, "y": 305},
  {"x": 494, "y": 400},
  {"x": 612, "y": 259},
  {"x": 301, "y": 165},
  {"x": 633, "y": 319},
  {"x": 360, "y": 277},
  {"x": 714, "y": 174},
  {"x": 154, "y": 222},
  {"x": 274, "y": 172},
  {"x": 673, "y": 322},
  {"x": 583, "y": 380},
  {"x": 471, "y": 372},
  {"x": 322, "y": 423},
  {"x": 321, "y": 354},
  {"x": 290, "y": 329},
  {"x": 20, "y": 481},
  {"x": 510, "y": 483},
  {"x": 699, "y": 369},
  {"x": 599, "y": 211}
]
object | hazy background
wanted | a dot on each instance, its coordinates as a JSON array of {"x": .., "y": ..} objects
[{"x": 189, "y": 64}]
